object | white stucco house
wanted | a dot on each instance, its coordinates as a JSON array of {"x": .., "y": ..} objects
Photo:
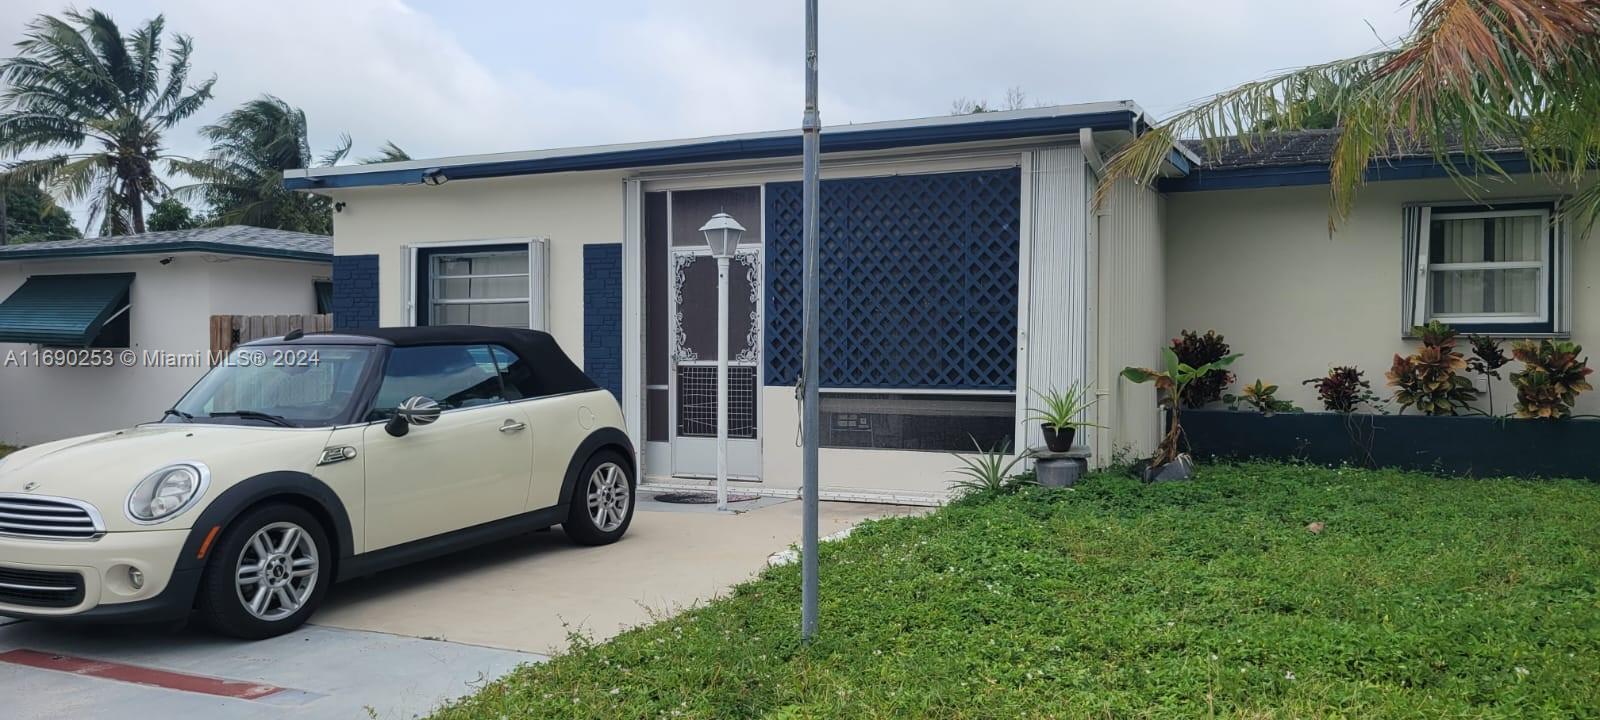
[
  {"x": 133, "y": 300},
  {"x": 964, "y": 262}
]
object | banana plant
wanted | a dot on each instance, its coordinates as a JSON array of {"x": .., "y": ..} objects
[{"x": 1170, "y": 383}]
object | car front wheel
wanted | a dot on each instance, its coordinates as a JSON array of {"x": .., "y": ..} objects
[
  {"x": 602, "y": 503},
  {"x": 268, "y": 574}
]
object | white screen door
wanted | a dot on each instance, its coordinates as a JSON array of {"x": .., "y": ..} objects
[{"x": 694, "y": 363}]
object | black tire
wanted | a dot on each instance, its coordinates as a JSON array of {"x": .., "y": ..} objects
[
  {"x": 580, "y": 525},
  {"x": 221, "y": 603}
]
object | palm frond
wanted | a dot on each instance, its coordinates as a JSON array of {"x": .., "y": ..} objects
[
  {"x": 1471, "y": 78},
  {"x": 389, "y": 152}
]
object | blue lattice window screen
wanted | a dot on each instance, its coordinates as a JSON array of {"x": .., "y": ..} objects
[{"x": 918, "y": 280}]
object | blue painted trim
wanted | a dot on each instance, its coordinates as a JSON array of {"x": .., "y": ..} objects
[
  {"x": 355, "y": 292},
  {"x": 741, "y": 149},
  {"x": 602, "y": 315},
  {"x": 1411, "y": 168},
  {"x": 23, "y": 252}
]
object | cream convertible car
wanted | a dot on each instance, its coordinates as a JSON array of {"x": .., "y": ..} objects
[{"x": 309, "y": 459}]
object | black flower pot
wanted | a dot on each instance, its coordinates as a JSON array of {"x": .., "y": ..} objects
[{"x": 1059, "y": 441}]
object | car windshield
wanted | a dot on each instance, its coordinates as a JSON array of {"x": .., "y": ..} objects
[{"x": 283, "y": 385}]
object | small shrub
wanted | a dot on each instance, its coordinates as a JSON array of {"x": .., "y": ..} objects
[
  {"x": 1549, "y": 384},
  {"x": 988, "y": 472},
  {"x": 1262, "y": 397},
  {"x": 1428, "y": 379},
  {"x": 1343, "y": 390},
  {"x": 1196, "y": 350},
  {"x": 1487, "y": 359}
]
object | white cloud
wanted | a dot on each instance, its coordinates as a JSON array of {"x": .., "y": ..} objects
[{"x": 452, "y": 77}]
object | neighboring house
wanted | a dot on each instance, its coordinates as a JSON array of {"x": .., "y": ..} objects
[
  {"x": 963, "y": 262},
  {"x": 151, "y": 294}
]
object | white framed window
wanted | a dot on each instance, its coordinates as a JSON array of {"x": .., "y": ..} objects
[
  {"x": 499, "y": 283},
  {"x": 1497, "y": 270}
]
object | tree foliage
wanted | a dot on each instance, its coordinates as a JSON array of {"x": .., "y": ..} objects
[
  {"x": 1471, "y": 77},
  {"x": 33, "y": 216},
  {"x": 172, "y": 214},
  {"x": 101, "y": 101}
]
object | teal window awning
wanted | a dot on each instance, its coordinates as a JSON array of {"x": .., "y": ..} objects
[{"x": 67, "y": 310}]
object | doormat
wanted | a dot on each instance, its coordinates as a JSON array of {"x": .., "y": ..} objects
[{"x": 700, "y": 498}]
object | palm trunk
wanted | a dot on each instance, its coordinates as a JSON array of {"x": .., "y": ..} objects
[{"x": 136, "y": 208}]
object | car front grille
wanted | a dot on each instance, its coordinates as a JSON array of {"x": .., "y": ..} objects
[
  {"x": 52, "y": 518},
  {"x": 40, "y": 588}
]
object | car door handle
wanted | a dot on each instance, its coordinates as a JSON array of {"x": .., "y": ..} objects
[{"x": 512, "y": 426}]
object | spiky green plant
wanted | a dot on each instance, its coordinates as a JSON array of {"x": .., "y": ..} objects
[
  {"x": 1470, "y": 78},
  {"x": 1062, "y": 409},
  {"x": 989, "y": 470},
  {"x": 101, "y": 101}
]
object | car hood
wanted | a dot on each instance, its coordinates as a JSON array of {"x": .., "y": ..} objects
[{"x": 102, "y": 469}]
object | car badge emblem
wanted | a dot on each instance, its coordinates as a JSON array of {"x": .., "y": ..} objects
[{"x": 30, "y": 487}]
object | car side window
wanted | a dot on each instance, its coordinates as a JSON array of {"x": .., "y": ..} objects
[
  {"x": 455, "y": 376},
  {"x": 517, "y": 374}
]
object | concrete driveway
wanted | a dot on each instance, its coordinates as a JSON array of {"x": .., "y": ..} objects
[{"x": 398, "y": 644}]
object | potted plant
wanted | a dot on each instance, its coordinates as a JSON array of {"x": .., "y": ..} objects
[
  {"x": 1059, "y": 413},
  {"x": 1168, "y": 463}
]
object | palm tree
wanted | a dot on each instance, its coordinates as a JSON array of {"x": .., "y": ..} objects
[
  {"x": 78, "y": 86},
  {"x": 241, "y": 177},
  {"x": 1471, "y": 77}
]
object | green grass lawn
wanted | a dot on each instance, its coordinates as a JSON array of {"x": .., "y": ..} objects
[
  {"x": 1424, "y": 597},
  {"x": 7, "y": 450}
]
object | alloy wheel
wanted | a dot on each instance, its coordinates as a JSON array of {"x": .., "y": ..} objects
[
  {"x": 608, "y": 497},
  {"x": 277, "y": 571}
]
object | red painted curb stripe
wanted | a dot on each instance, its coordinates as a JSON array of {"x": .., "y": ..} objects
[{"x": 139, "y": 675}]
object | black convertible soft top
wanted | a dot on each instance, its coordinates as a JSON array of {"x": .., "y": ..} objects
[{"x": 554, "y": 371}]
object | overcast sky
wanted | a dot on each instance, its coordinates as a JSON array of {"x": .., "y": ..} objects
[{"x": 449, "y": 77}]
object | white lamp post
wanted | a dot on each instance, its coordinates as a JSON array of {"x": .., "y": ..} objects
[{"x": 722, "y": 235}]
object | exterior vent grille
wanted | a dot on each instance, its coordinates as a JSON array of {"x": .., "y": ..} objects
[
  {"x": 37, "y": 588},
  {"x": 51, "y": 518}
]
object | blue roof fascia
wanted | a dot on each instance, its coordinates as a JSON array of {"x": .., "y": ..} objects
[
  {"x": 1411, "y": 168},
  {"x": 156, "y": 248},
  {"x": 842, "y": 140}
]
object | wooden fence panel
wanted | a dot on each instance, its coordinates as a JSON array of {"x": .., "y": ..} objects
[{"x": 229, "y": 331}]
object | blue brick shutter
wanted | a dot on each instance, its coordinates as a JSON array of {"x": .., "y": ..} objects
[
  {"x": 602, "y": 315},
  {"x": 355, "y": 292},
  {"x": 918, "y": 280}
]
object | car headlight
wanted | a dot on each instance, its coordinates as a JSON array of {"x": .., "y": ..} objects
[{"x": 167, "y": 492}]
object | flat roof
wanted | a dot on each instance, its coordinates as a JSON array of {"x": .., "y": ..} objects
[{"x": 1121, "y": 115}]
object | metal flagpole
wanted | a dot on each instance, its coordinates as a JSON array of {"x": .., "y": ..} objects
[{"x": 811, "y": 132}]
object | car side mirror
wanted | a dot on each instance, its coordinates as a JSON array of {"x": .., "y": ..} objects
[{"x": 417, "y": 410}]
